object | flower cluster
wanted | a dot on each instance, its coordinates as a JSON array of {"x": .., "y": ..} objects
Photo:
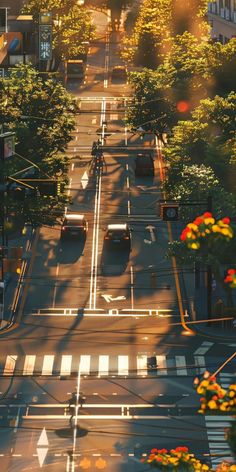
[
  {"x": 226, "y": 467},
  {"x": 214, "y": 397},
  {"x": 231, "y": 278},
  {"x": 174, "y": 460},
  {"x": 205, "y": 227}
]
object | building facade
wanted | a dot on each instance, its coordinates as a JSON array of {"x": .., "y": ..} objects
[{"x": 222, "y": 18}]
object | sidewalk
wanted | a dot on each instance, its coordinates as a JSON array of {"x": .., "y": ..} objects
[
  {"x": 225, "y": 330},
  {"x": 13, "y": 284}
]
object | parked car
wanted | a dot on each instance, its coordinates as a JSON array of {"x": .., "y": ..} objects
[
  {"x": 118, "y": 236},
  {"x": 119, "y": 73},
  {"x": 144, "y": 165},
  {"x": 74, "y": 225}
]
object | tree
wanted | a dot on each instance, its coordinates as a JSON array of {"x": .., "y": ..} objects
[
  {"x": 72, "y": 25},
  {"x": 208, "y": 138},
  {"x": 41, "y": 113},
  {"x": 150, "y": 103}
]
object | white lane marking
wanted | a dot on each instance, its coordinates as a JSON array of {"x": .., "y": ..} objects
[
  {"x": 103, "y": 365},
  {"x": 72, "y": 166},
  {"x": 205, "y": 346},
  {"x": 75, "y": 421},
  {"x": 66, "y": 361},
  {"x": 85, "y": 364},
  {"x": 123, "y": 365},
  {"x": 161, "y": 365},
  {"x": 200, "y": 363},
  {"x": 96, "y": 241},
  {"x": 76, "y": 137},
  {"x": 152, "y": 234},
  {"x": 29, "y": 365},
  {"x": 142, "y": 365},
  {"x": 55, "y": 287},
  {"x": 132, "y": 286},
  {"x": 109, "y": 298},
  {"x": 128, "y": 207},
  {"x": 10, "y": 365},
  {"x": 94, "y": 121},
  {"x": 127, "y": 182},
  {"x": 93, "y": 276},
  {"x": 181, "y": 365},
  {"x": 69, "y": 187},
  {"x": 93, "y": 250},
  {"x": 47, "y": 364},
  {"x": 17, "y": 420}
]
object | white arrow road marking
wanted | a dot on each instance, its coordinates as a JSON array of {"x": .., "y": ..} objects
[
  {"x": 43, "y": 439},
  {"x": 109, "y": 298},
  {"x": 147, "y": 241},
  {"x": 42, "y": 452},
  {"x": 152, "y": 234},
  {"x": 84, "y": 180}
]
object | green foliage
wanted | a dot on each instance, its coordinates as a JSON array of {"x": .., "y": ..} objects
[
  {"x": 71, "y": 25},
  {"x": 41, "y": 113},
  {"x": 209, "y": 138},
  {"x": 150, "y": 103}
]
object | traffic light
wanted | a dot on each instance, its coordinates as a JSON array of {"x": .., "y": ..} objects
[{"x": 169, "y": 211}]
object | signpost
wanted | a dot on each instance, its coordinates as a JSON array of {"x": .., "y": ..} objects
[{"x": 45, "y": 36}]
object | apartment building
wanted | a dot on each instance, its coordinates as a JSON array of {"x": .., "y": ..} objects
[{"x": 222, "y": 18}]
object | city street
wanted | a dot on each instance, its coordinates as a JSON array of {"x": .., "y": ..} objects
[{"x": 99, "y": 367}]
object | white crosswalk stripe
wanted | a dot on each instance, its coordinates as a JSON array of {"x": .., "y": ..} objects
[
  {"x": 104, "y": 365},
  {"x": 218, "y": 447},
  {"x": 29, "y": 365}
]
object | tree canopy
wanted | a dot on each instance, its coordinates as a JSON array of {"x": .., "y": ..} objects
[
  {"x": 72, "y": 26},
  {"x": 40, "y": 112}
]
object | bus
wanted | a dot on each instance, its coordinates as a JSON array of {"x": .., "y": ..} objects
[{"x": 74, "y": 69}]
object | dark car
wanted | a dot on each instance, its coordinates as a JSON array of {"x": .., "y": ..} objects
[
  {"x": 118, "y": 236},
  {"x": 144, "y": 165},
  {"x": 119, "y": 73},
  {"x": 74, "y": 225}
]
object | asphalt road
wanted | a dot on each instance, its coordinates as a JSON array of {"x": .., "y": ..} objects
[{"x": 105, "y": 326}]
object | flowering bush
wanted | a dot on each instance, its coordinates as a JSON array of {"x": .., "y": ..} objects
[
  {"x": 231, "y": 278},
  {"x": 214, "y": 397},
  {"x": 174, "y": 460},
  {"x": 226, "y": 467},
  {"x": 205, "y": 229}
]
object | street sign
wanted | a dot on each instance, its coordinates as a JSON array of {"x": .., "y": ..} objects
[
  {"x": 169, "y": 211},
  {"x": 7, "y": 145},
  {"x": 45, "y": 42}
]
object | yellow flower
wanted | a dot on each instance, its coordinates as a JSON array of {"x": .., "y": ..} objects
[
  {"x": 195, "y": 246},
  {"x": 215, "y": 229},
  {"x": 212, "y": 405},
  {"x": 192, "y": 226},
  {"x": 232, "y": 394},
  {"x": 209, "y": 221}
]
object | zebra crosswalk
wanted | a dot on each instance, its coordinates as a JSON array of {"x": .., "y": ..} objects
[
  {"x": 216, "y": 426},
  {"x": 101, "y": 365}
]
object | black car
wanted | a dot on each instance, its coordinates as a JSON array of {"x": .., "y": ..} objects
[
  {"x": 118, "y": 236},
  {"x": 144, "y": 165},
  {"x": 74, "y": 225}
]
